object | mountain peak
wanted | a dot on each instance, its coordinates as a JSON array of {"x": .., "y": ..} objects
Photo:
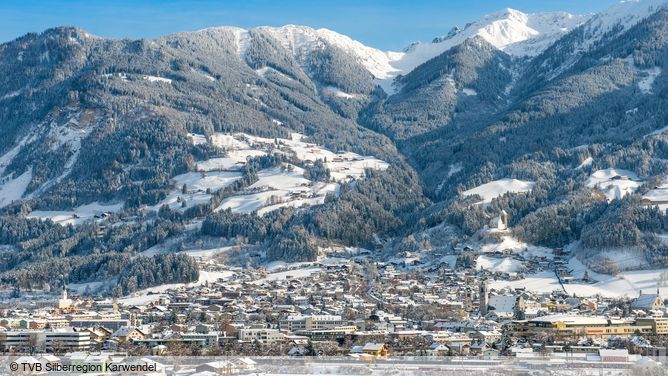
[
  {"x": 512, "y": 31},
  {"x": 505, "y": 13}
]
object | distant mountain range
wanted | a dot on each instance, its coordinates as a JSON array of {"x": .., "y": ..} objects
[{"x": 556, "y": 119}]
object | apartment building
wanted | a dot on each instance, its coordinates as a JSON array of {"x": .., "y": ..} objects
[
  {"x": 263, "y": 336},
  {"x": 311, "y": 322},
  {"x": 66, "y": 340},
  {"x": 659, "y": 324}
]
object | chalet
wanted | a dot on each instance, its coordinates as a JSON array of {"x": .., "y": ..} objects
[
  {"x": 376, "y": 349},
  {"x": 99, "y": 334},
  {"x": 438, "y": 349},
  {"x": 479, "y": 348},
  {"x": 128, "y": 333}
]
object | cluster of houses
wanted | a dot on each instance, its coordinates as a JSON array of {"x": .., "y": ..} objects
[{"x": 340, "y": 307}]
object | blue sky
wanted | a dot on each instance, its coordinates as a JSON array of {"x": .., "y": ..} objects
[{"x": 381, "y": 24}]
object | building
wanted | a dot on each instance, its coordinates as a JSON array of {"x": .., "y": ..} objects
[
  {"x": 112, "y": 325},
  {"x": 486, "y": 336},
  {"x": 310, "y": 322},
  {"x": 659, "y": 324},
  {"x": 564, "y": 326},
  {"x": 52, "y": 341},
  {"x": 209, "y": 339},
  {"x": 376, "y": 349},
  {"x": 67, "y": 340},
  {"x": 128, "y": 333},
  {"x": 614, "y": 355},
  {"x": 484, "y": 298},
  {"x": 336, "y": 333},
  {"x": 19, "y": 340},
  {"x": 263, "y": 335},
  {"x": 648, "y": 302},
  {"x": 64, "y": 302}
]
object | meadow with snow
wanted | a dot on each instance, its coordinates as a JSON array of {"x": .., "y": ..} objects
[
  {"x": 276, "y": 187},
  {"x": 496, "y": 188}
]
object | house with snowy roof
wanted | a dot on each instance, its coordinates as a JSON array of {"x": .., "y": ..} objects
[{"x": 648, "y": 302}]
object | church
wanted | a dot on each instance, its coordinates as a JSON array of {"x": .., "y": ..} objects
[{"x": 648, "y": 302}]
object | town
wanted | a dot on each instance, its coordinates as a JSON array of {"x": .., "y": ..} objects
[{"x": 344, "y": 305}]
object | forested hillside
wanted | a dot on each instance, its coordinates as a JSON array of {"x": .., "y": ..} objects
[{"x": 112, "y": 147}]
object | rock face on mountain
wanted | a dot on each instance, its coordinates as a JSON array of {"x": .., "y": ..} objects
[{"x": 554, "y": 119}]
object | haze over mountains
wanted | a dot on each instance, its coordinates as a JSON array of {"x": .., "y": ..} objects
[{"x": 286, "y": 141}]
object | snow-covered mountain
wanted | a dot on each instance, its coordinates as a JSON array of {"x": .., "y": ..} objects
[
  {"x": 174, "y": 128},
  {"x": 600, "y": 28},
  {"x": 620, "y": 17},
  {"x": 514, "y": 32},
  {"x": 302, "y": 40},
  {"x": 518, "y": 34},
  {"x": 509, "y": 30}
]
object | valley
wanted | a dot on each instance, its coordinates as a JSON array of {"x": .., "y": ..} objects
[{"x": 496, "y": 191}]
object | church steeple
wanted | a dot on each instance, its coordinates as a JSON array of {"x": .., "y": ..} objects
[{"x": 484, "y": 296}]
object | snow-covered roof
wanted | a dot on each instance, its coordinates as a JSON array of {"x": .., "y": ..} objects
[
  {"x": 645, "y": 301},
  {"x": 572, "y": 319}
]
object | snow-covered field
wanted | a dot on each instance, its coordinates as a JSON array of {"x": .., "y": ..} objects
[
  {"x": 196, "y": 184},
  {"x": 625, "y": 284},
  {"x": 336, "y": 92},
  {"x": 297, "y": 273},
  {"x": 625, "y": 258},
  {"x": 503, "y": 265},
  {"x": 77, "y": 216},
  {"x": 157, "y": 79},
  {"x": 508, "y": 243},
  {"x": 496, "y": 188},
  {"x": 585, "y": 163},
  {"x": 614, "y": 183},
  {"x": 206, "y": 254},
  {"x": 658, "y": 196},
  {"x": 276, "y": 187}
]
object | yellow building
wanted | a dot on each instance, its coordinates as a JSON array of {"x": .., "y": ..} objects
[
  {"x": 376, "y": 349},
  {"x": 659, "y": 324},
  {"x": 572, "y": 326}
]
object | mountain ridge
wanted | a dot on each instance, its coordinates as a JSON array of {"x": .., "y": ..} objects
[{"x": 280, "y": 141}]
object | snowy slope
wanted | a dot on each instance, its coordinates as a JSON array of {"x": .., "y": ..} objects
[
  {"x": 625, "y": 14},
  {"x": 517, "y": 33},
  {"x": 241, "y": 36},
  {"x": 498, "y": 188},
  {"x": 302, "y": 40},
  {"x": 276, "y": 187},
  {"x": 512, "y": 31},
  {"x": 608, "y": 24},
  {"x": 614, "y": 183}
]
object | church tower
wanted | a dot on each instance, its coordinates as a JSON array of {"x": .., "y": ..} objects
[
  {"x": 64, "y": 302},
  {"x": 484, "y": 298}
]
